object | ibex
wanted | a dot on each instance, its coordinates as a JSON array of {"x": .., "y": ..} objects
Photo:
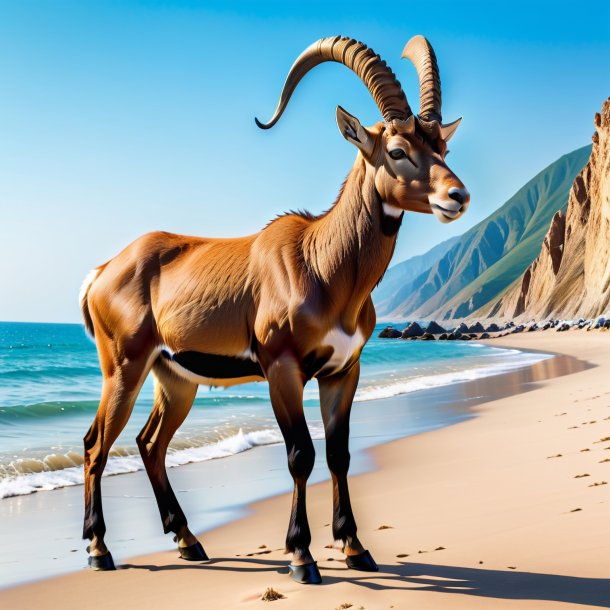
[{"x": 286, "y": 305}]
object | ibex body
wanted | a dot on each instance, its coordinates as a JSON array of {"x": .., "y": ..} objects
[{"x": 286, "y": 305}]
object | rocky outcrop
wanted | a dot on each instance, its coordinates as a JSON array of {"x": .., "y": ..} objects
[
  {"x": 571, "y": 276},
  {"x": 435, "y": 329},
  {"x": 389, "y": 332},
  {"x": 413, "y": 330}
]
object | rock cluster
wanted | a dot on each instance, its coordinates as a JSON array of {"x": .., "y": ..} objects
[{"x": 463, "y": 332}]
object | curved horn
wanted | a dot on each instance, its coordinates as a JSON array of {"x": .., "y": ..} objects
[
  {"x": 421, "y": 53},
  {"x": 364, "y": 62}
]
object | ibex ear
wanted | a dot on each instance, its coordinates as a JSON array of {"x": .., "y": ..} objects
[
  {"x": 353, "y": 132},
  {"x": 448, "y": 130}
]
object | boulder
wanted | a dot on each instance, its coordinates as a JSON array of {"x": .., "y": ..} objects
[
  {"x": 532, "y": 327},
  {"x": 563, "y": 326},
  {"x": 443, "y": 337},
  {"x": 477, "y": 328},
  {"x": 462, "y": 328},
  {"x": 435, "y": 329},
  {"x": 485, "y": 336},
  {"x": 452, "y": 336},
  {"x": 493, "y": 328},
  {"x": 465, "y": 338},
  {"x": 389, "y": 332},
  {"x": 427, "y": 337},
  {"x": 473, "y": 335},
  {"x": 518, "y": 329},
  {"x": 413, "y": 330}
]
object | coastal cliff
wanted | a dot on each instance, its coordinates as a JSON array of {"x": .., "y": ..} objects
[{"x": 571, "y": 276}]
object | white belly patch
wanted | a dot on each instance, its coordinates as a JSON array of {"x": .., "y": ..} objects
[{"x": 344, "y": 346}]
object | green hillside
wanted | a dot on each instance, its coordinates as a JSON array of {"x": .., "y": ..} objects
[
  {"x": 486, "y": 259},
  {"x": 397, "y": 283}
]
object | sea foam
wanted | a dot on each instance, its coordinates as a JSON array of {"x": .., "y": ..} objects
[{"x": 56, "y": 471}]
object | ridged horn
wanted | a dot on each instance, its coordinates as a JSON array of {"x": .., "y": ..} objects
[
  {"x": 421, "y": 53},
  {"x": 364, "y": 62}
]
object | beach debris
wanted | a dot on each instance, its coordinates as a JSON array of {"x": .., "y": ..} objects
[
  {"x": 439, "y": 548},
  {"x": 270, "y": 595},
  {"x": 480, "y": 562},
  {"x": 385, "y": 527},
  {"x": 585, "y": 449},
  {"x": 401, "y": 555},
  {"x": 603, "y": 440},
  {"x": 581, "y": 476},
  {"x": 389, "y": 332},
  {"x": 344, "y": 606},
  {"x": 575, "y": 510},
  {"x": 435, "y": 329},
  {"x": 554, "y": 456},
  {"x": 413, "y": 330},
  {"x": 512, "y": 567},
  {"x": 603, "y": 461},
  {"x": 262, "y": 546},
  {"x": 598, "y": 483}
]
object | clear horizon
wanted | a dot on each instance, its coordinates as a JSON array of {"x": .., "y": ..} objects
[{"x": 122, "y": 118}]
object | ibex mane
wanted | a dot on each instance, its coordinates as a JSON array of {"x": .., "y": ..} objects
[{"x": 285, "y": 305}]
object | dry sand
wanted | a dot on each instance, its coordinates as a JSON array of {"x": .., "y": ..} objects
[{"x": 506, "y": 510}]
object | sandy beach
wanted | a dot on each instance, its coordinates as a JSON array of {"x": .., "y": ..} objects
[{"x": 505, "y": 510}]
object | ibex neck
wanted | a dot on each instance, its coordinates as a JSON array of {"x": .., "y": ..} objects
[{"x": 350, "y": 247}]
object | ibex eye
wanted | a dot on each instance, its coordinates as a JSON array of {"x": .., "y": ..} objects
[{"x": 397, "y": 153}]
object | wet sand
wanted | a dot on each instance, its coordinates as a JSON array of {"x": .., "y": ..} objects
[{"x": 499, "y": 493}]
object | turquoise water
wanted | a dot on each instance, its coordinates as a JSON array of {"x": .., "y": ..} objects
[{"x": 50, "y": 384}]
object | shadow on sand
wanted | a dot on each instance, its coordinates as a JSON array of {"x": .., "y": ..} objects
[{"x": 457, "y": 580}]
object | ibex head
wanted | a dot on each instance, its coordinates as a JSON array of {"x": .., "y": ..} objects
[{"x": 407, "y": 153}]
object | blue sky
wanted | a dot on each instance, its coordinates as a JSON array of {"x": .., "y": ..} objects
[{"x": 117, "y": 118}]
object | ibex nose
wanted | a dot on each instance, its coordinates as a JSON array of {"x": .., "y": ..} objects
[{"x": 462, "y": 196}]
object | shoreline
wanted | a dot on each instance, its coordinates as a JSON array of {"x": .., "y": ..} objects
[
  {"x": 125, "y": 495},
  {"x": 377, "y": 500}
]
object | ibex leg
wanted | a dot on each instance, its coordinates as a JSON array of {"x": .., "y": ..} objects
[
  {"x": 173, "y": 400},
  {"x": 336, "y": 396},
  {"x": 286, "y": 384},
  {"x": 121, "y": 385}
]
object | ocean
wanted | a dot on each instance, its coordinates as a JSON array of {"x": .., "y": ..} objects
[{"x": 50, "y": 384}]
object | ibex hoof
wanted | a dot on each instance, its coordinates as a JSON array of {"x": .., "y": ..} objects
[
  {"x": 194, "y": 552},
  {"x": 307, "y": 574},
  {"x": 101, "y": 563},
  {"x": 363, "y": 562}
]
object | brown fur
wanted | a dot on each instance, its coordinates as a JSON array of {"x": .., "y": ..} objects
[{"x": 276, "y": 294}]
